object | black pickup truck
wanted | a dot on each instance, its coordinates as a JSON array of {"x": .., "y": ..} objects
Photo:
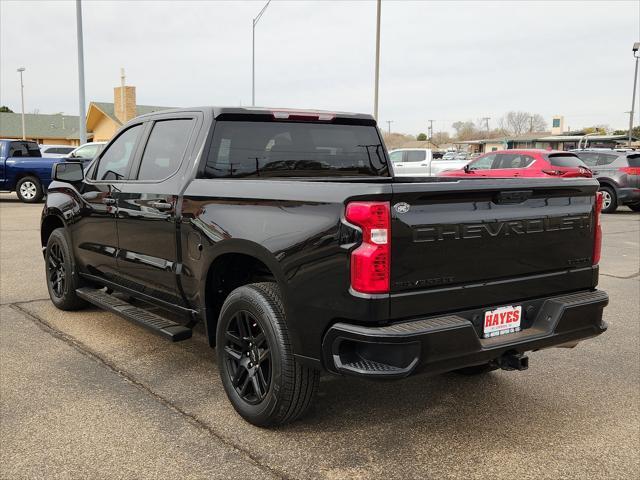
[{"x": 287, "y": 236}]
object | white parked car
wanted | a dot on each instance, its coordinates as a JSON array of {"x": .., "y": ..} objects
[
  {"x": 56, "y": 151},
  {"x": 86, "y": 152},
  {"x": 449, "y": 162},
  {"x": 411, "y": 162},
  {"x": 419, "y": 162}
]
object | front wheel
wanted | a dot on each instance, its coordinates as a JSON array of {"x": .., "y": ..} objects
[
  {"x": 29, "y": 190},
  {"x": 609, "y": 200},
  {"x": 262, "y": 379},
  {"x": 62, "y": 278}
]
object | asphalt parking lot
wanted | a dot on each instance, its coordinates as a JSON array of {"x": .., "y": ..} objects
[{"x": 89, "y": 395}]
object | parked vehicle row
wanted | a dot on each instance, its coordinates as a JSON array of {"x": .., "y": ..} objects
[
  {"x": 286, "y": 235},
  {"x": 25, "y": 167},
  {"x": 523, "y": 163}
]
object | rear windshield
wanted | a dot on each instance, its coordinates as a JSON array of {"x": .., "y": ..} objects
[
  {"x": 634, "y": 160},
  {"x": 565, "y": 161},
  {"x": 289, "y": 149}
]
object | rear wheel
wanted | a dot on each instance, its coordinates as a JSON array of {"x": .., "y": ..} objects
[
  {"x": 29, "y": 190},
  {"x": 62, "y": 278},
  {"x": 609, "y": 199},
  {"x": 262, "y": 379}
]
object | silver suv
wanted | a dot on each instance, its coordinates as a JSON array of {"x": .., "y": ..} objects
[{"x": 619, "y": 175}]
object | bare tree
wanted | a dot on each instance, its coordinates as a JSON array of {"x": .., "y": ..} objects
[
  {"x": 518, "y": 123},
  {"x": 466, "y": 130},
  {"x": 440, "y": 138}
]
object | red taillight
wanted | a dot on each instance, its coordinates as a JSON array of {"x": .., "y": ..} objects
[
  {"x": 597, "y": 227},
  {"x": 630, "y": 170},
  {"x": 371, "y": 261}
]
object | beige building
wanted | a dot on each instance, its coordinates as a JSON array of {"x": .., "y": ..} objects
[{"x": 104, "y": 119}]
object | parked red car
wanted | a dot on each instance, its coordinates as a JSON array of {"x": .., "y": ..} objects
[{"x": 523, "y": 163}]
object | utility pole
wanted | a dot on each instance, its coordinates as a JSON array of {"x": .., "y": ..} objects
[
  {"x": 389, "y": 122},
  {"x": 82, "y": 119},
  {"x": 375, "y": 94},
  {"x": 530, "y": 124},
  {"x": 20, "y": 70},
  {"x": 486, "y": 119},
  {"x": 431, "y": 129},
  {"x": 253, "y": 53}
]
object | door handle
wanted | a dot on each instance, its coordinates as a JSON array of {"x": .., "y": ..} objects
[
  {"x": 109, "y": 201},
  {"x": 161, "y": 205}
]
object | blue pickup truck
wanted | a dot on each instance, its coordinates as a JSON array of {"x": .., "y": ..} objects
[{"x": 24, "y": 170}]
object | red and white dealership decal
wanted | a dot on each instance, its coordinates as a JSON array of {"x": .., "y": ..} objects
[{"x": 502, "y": 320}]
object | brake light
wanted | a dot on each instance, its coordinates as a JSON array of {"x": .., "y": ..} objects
[
  {"x": 371, "y": 261},
  {"x": 303, "y": 116},
  {"x": 630, "y": 170},
  {"x": 597, "y": 227}
]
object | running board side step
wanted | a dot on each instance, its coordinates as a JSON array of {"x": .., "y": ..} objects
[{"x": 157, "y": 324}]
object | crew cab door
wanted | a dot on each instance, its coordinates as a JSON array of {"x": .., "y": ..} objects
[
  {"x": 94, "y": 230},
  {"x": 148, "y": 255}
]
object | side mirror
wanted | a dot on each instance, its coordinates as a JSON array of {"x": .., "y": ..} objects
[{"x": 68, "y": 172}]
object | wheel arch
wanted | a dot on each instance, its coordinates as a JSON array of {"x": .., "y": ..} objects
[
  {"x": 50, "y": 221},
  {"x": 239, "y": 263}
]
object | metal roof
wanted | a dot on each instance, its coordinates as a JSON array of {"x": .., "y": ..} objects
[{"x": 40, "y": 125}]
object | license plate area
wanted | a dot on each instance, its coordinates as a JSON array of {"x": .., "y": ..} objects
[{"x": 502, "y": 321}]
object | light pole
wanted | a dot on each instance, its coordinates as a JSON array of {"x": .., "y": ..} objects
[
  {"x": 253, "y": 53},
  {"x": 375, "y": 94},
  {"x": 636, "y": 47},
  {"x": 82, "y": 119},
  {"x": 24, "y": 133}
]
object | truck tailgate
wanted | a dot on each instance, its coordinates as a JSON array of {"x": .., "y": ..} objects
[{"x": 486, "y": 242}]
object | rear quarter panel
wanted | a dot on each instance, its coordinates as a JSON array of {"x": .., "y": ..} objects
[{"x": 294, "y": 228}]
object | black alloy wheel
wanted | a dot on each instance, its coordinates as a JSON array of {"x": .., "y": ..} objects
[
  {"x": 248, "y": 357},
  {"x": 56, "y": 272},
  {"x": 60, "y": 270}
]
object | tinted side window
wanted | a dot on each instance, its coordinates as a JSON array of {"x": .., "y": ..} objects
[
  {"x": 396, "y": 156},
  {"x": 512, "y": 161},
  {"x": 565, "y": 161},
  {"x": 115, "y": 163},
  {"x": 606, "y": 158},
  {"x": 589, "y": 158},
  {"x": 416, "y": 155},
  {"x": 88, "y": 151},
  {"x": 165, "y": 149},
  {"x": 483, "y": 163}
]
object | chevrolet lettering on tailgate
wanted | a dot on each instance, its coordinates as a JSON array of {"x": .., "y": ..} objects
[{"x": 465, "y": 231}]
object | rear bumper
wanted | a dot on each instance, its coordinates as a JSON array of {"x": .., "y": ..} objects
[
  {"x": 628, "y": 195},
  {"x": 440, "y": 344}
]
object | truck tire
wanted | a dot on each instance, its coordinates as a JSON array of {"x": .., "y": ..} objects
[
  {"x": 262, "y": 379},
  {"x": 609, "y": 199},
  {"x": 62, "y": 277},
  {"x": 29, "y": 190}
]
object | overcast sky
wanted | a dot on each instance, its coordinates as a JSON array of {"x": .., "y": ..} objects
[{"x": 446, "y": 61}]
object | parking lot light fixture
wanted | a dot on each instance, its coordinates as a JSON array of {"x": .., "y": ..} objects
[
  {"x": 253, "y": 53},
  {"x": 20, "y": 70},
  {"x": 636, "y": 54}
]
